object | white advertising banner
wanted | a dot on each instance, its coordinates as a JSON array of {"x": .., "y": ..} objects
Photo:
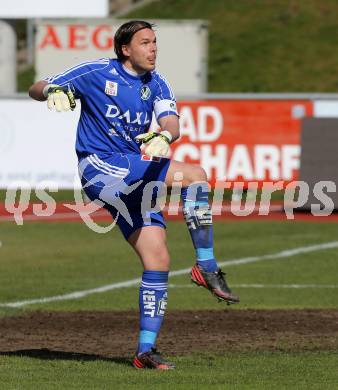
[
  {"x": 21, "y": 9},
  {"x": 182, "y": 49},
  {"x": 325, "y": 109},
  {"x": 37, "y": 145}
]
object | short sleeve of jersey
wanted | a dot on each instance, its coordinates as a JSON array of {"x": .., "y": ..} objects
[
  {"x": 76, "y": 78},
  {"x": 165, "y": 102}
]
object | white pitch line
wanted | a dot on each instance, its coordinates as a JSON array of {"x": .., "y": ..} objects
[
  {"x": 287, "y": 286},
  {"x": 128, "y": 283}
]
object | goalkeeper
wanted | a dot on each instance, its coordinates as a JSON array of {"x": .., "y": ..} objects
[{"x": 116, "y": 152}]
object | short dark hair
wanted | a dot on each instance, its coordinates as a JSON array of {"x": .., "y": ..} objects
[{"x": 125, "y": 33}]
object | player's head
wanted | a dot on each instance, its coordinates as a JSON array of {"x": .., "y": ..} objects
[{"x": 135, "y": 44}]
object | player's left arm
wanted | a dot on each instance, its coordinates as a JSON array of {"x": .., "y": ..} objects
[
  {"x": 157, "y": 144},
  {"x": 170, "y": 124}
]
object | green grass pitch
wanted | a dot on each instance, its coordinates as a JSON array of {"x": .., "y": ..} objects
[{"x": 47, "y": 259}]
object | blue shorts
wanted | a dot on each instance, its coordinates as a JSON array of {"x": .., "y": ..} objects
[{"x": 128, "y": 186}]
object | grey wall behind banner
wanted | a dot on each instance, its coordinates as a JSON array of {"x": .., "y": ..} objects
[
  {"x": 8, "y": 58},
  {"x": 60, "y": 44},
  {"x": 319, "y": 159}
]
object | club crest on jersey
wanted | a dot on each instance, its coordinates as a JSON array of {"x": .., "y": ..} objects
[
  {"x": 111, "y": 88},
  {"x": 173, "y": 106},
  {"x": 145, "y": 92}
]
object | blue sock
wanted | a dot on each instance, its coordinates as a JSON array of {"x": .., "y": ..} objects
[
  {"x": 152, "y": 302},
  {"x": 198, "y": 216}
]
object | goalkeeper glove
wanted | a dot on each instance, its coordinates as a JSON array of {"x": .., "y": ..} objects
[
  {"x": 62, "y": 98},
  {"x": 157, "y": 144}
]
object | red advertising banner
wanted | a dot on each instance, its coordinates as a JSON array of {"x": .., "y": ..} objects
[{"x": 242, "y": 140}]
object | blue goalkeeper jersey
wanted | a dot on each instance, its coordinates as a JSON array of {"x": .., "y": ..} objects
[{"x": 116, "y": 105}]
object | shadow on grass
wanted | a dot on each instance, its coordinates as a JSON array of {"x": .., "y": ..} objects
[{"x": 47, "y": 354}]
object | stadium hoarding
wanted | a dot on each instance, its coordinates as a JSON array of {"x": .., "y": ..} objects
[
  {"x": 235, "y": 140},
  {"x": 64, "y": 43},
  {"x": 36, "y": 145},
  {"x": 242, "y": 140}
]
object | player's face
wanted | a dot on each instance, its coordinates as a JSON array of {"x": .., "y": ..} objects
[{"x": 141, "y": 51}]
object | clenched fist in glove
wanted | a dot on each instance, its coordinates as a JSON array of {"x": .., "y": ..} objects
[
  {"x": 58, "y": 97},
  {"x": 156, "y": 144}
]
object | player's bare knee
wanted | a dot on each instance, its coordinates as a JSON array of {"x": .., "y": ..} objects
[
  {"x": 164, "y": 261},
  {"x": 157, "y": 262},
  {"x": 198, "y": 174},
  {"x": 161, "y": 256},
  {"x": 202, "y": 174}
]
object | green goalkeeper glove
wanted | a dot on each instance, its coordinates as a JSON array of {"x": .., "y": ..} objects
[
  {"x": 58, "y": 97},
  {"x": 156, "y": 144}
]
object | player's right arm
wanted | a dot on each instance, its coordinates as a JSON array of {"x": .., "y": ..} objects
[
  {"x": 61, "y": 90},
  {"x": 36, "y": 90},
  {"x": 59, "y": 97}
]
